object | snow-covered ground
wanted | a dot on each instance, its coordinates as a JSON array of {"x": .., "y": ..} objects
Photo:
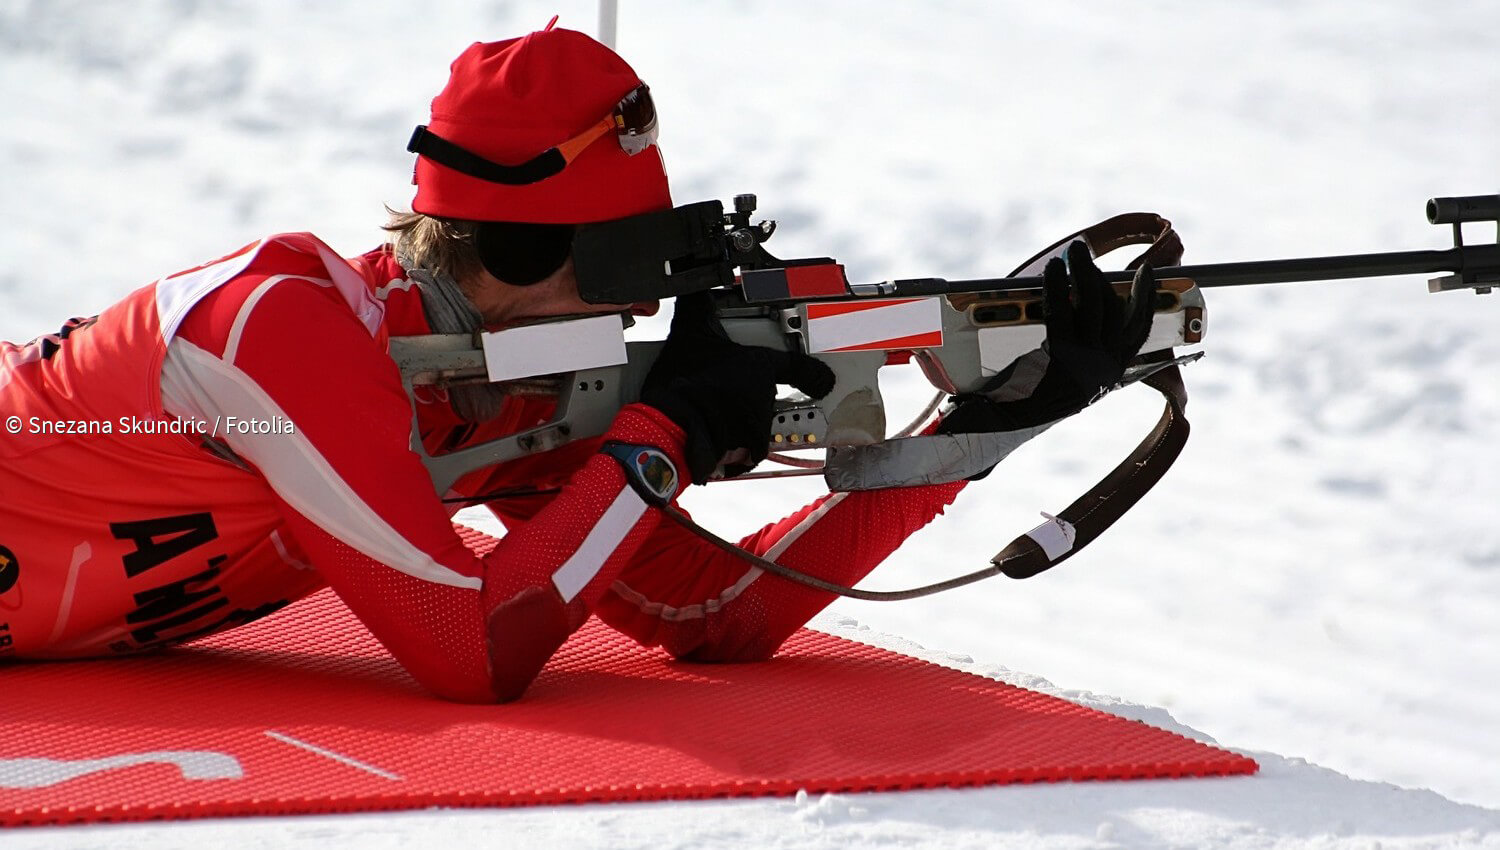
[{"x": 1320, "y": 575}]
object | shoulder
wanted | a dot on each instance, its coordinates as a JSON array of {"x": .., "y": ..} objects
[{"x": 282, "y": 282}]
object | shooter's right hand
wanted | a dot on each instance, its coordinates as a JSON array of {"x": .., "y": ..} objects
[{"x": 721, "y": 393}]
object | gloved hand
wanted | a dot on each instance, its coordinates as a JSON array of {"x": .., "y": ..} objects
[
  {"x": 722, "y": 393},
  {"x": 1092, "y": 334}
]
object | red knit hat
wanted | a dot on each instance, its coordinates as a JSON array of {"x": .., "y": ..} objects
[{"x": 508, "y": 102}]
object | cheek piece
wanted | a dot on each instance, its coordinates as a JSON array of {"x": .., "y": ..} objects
[{"x": 520, "y": 253}]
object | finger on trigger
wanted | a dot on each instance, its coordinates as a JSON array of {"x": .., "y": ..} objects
[{"x": 808, "y": 374}]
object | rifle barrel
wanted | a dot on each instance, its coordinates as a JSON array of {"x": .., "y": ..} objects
[
  {"x": 1482, "y": 259},
  {"x": 1317, "y": 268}
]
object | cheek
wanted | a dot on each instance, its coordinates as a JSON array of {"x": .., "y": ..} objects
[
  {"x": 559, "y": 288},
  {"x": 565, "y": 285}
]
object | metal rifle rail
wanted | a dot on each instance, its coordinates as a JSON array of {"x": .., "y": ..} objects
[
  {"x": 1482, "y": 260},
  {"x": 1475, "y": 266}
]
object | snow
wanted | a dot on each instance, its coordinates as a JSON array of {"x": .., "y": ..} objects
[{"x": 1319, "y": 576}]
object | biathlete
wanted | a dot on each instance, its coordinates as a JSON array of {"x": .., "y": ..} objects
[{"x": 153, "y": 535}]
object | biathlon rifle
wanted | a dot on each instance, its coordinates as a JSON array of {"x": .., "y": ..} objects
[{"x": 960, "y": 333}]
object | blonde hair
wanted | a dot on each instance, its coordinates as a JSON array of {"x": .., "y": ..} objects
[{"x": 441, "y": 245}]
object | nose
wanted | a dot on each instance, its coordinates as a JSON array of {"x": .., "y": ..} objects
[{"x": 645, "y": 308}]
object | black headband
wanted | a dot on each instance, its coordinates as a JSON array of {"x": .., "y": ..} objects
[{"x": 443, "y": 152}]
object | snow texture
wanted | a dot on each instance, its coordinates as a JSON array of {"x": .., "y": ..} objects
[{"x": 1318, "y": 577}]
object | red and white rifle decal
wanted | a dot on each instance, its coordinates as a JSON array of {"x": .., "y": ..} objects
[{"x": 877, "y": 325}]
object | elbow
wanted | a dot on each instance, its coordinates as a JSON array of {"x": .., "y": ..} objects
[{"x": 523, "y": 634}]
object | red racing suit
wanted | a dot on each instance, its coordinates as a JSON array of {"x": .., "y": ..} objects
[{"x": 232, "y": 438}]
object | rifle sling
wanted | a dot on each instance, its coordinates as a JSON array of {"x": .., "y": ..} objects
[{"x": 1080, "y": 523}]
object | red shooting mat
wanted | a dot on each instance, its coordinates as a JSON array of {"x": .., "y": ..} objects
[{"x": 304, "y": 712}]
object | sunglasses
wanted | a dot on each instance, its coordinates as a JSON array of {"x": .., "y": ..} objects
[{"x": 633, "y": 121}]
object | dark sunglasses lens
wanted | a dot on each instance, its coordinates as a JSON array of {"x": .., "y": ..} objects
[
  {"x": 637, "y": 120},
  {"x": 522, "y": 254},
  {"x": 637, "y": 110}
]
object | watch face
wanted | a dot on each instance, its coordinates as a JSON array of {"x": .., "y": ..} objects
[
  {"x": 656, "y": 472},
  {"x": 650, "y": 471}
]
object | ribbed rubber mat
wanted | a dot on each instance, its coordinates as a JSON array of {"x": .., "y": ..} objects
[{"x": 304, "y": 712}]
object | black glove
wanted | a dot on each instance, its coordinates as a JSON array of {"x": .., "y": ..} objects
[
  {"x": 1091, "y": 336},
  {"x": 722, "y": 393}
]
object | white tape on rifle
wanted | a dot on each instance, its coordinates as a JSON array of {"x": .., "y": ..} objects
[
  {"x": 1055, "y": 536},
  {"x": 554, "y": 347},
  {"x": 889, "y": 323}
]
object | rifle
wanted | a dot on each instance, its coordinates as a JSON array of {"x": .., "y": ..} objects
[{"x": 960, "y": 333}]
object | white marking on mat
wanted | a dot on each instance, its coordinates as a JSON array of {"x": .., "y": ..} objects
[
  {"x": 44, "y": 772},
  {"x": 338, "y": 757}
]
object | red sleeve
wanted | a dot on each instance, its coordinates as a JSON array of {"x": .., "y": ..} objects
[
  {"x": 701, "y": 603},
  {"x": 359, "y": 501}
]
